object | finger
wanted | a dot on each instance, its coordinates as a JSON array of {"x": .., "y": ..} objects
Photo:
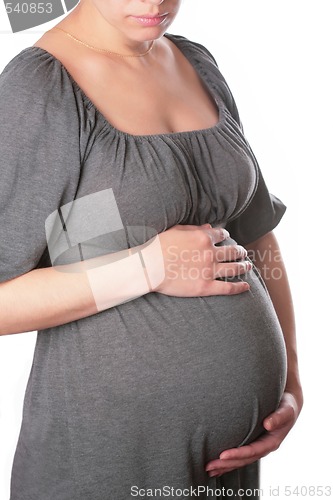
[
  {"x": 214, "y": 465},
  {"x": 220, "y": 472},
  {"x": 235, "y": 464},
  {"x": 217, "y": 234},
  {"x": 192, "y": 227},
  {"x": 232, "y": 269},
  {"x": 218, "y": 467},
  {"x": 281, "y": 417},
  {"x": 217, "y": 287},
  {"x": 230, "y": 253},
  {"x": 259, "y": 448},
  {"x": 188, "y": 227}
]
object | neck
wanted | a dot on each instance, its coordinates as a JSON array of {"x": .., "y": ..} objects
[{"x": 103, "y": 34}]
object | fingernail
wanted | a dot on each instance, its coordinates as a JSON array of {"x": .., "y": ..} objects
[
  {"x": 270, "y": 422},
  {"x": 213, "y": 473}
]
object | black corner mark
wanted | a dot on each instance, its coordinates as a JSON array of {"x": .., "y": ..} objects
[{"x": 24, "y": 15}]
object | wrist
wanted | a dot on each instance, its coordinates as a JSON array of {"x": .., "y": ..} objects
[
  {"x": 118, "y": 281},
  {"x": 153, "y": 262}
]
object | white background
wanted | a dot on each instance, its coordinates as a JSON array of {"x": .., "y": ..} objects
[{"x": 277, "y": 59}]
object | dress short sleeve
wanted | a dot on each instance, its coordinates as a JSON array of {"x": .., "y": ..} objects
[
  {"x": 39, "y": 156},
  {"x": 261, "y": 216}
]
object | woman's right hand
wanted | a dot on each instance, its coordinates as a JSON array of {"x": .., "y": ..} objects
[
  {"x": 182, "y": 261},
  {"x": 192, "y": 262}
]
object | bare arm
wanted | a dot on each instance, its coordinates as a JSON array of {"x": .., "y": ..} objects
[
  {"x": 266, "y": 256},
  {"x": 43, "y": 298}
]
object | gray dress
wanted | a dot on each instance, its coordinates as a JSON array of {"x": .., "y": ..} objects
[{"x": 142, "y": 395}]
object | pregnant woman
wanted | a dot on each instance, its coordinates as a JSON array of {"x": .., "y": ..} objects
[{"x": 165, "y": 360}]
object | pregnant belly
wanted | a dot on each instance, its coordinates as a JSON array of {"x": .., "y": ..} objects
[
  {"x": 161, "y": 385},
  {"x": 211, "y": 368}
]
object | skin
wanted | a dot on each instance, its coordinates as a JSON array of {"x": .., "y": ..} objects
[
  {"x": 60, "y": 294},
  {"x": 172, "y": 85}
]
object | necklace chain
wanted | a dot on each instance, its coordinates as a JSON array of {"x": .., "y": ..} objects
[{"x": 103, "y": 50}]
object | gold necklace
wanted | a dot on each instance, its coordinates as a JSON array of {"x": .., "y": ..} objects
[{"x": 103, "y": 50}]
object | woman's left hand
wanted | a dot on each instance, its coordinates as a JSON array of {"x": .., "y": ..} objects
[{"x": 277, "y": 425}]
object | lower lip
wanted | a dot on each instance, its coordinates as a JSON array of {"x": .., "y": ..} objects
[{"x": 150, "y": 21}]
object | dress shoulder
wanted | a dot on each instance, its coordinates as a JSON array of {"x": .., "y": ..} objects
[
  {"x": 40, "y": 155},
  {"x": 196, "y": 47},
  {"x": 36, "y": 74},
  {"x": 203, "y": 59}
]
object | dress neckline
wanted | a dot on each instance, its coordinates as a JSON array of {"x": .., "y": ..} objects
[{"x": 187, "y": 133}]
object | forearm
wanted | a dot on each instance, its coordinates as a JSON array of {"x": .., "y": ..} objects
[
  {"x": 266, "y": 255},
  {"x": 44, "y": 298}
]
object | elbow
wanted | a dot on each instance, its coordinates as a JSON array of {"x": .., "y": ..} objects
[
  {"x": 261, "y": 242},
  {"x": 9, "y": 318},
  {"x": 5, "y": 327},
  {"x": 8, "y": 328}
]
